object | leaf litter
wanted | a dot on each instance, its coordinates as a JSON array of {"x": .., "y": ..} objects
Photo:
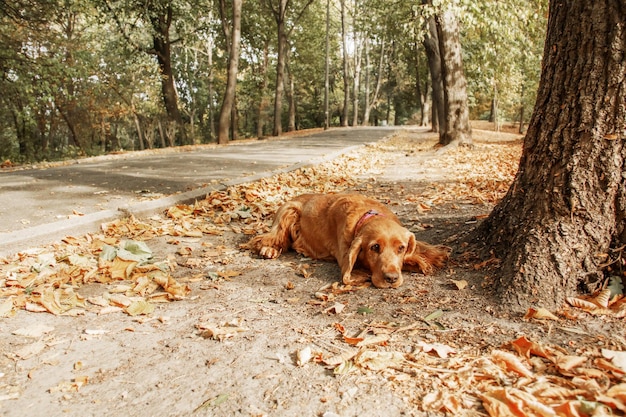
[{"x": 425, "y": 361}]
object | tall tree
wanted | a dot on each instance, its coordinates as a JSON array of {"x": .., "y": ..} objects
[
  {"x": 228, "y": 104},
  {"x": 456, "y": 129},
  {"x": 567, "y": 204},
  {"x": 431, "y": 46},
  {"x": 279, "y": 11},
  {"x": 346, "y": 64}
]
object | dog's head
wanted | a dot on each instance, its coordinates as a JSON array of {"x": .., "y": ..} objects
[{"x": 380, "y": 246}]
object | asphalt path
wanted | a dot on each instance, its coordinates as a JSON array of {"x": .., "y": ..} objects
[{"x": 39, "y": 206}]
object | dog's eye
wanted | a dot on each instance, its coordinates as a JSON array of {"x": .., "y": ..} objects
[
  {"x": 375, "y": 247},
  {"x": 401, "y": 249}
]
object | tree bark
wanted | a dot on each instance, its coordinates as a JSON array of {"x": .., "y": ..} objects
[
  {"x": 431, "y": 45},
  {"x": 291, "y": 101},
  {"x": 162, "y": 46},
  {"x": 456, "y": 130},
  {"x": 346, "y": 75},
  {"x": 370, "y": 105},
  {"x": 567, "y": 204},
  {"x": 263, "y": 102},
  {"x": 327, "y": 70},
  {"x": 226, "y": 112}
]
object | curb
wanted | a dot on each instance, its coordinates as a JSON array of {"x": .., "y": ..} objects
[{"x": 19, "y": 241}]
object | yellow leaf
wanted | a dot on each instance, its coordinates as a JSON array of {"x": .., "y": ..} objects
[
  {"x": 139, "y": 307},
  {"x": 460, "y": 284},
  {"x": 511, "y": 362},
  {"x": 121, "y": 269},
  {"x": 6, "y": 308},
  {"x": 540, "y": 313}
]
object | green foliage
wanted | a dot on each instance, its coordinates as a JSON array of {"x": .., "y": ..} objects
[{"x": 81, "y": 77}]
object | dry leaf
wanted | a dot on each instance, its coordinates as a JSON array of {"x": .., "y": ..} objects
[
  {"x": 540, "y": 313},
  {"x": 34, "y": 331},
  {"x": 525, "y": 347},
  {"x": 460, "y": 284},
  {"x": 511, "y": 362},
  {"x": 379, "y": 339},
  {"x": 139, "y": 307},
  {"x": 569, "y": 362},
  {"x": 342, "y": 357},
  {"x": 31, "y": 350},
  {"x": 6, "y": 308},
  {"x": 304, "y": 356},
  {"x": 377, "y": 361},
  {"x": 443, "y": 351},
  {"x": 618, "y": 358},
  {"x": 582, "y": 304},
  {"x": 336, "y": 308}
]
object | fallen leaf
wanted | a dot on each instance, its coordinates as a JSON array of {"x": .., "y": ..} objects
[
  {"x": 539, "y": 313},
  {"x": 6, "y": 308},
  {"x": 336, "y": 308},
  {"x": 460, "y": 284},
  {"x": 139, "y": 307},
  {"x": 618, "y": 358},
  {"x": 569, "y": 362},
  {"x": 440, "y": 349},
  {"x": 377, "y": 361},
  {"x": 304, "y": 356},
  {"x": 34, "y": 331},
  {"x": 511, "y": 362},
  {"x": 31, "y": 350}
]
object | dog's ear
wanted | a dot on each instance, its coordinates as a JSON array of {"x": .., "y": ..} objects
[
  {"x": 410, "y": 247},
  {"x": 349, "y": 259}
]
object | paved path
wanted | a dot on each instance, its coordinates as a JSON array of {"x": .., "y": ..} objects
[{"x": 40, "y": 205}]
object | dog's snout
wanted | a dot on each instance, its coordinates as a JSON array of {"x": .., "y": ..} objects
[{"x": 392, "y": 277}]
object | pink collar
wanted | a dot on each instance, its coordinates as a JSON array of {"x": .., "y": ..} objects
[{"x": 364, "y": 218}]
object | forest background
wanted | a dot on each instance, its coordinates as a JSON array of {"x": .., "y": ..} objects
[{"x": 85, "y": 77}]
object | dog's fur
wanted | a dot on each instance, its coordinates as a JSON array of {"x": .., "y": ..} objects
[{"x": 352, "y": 229}]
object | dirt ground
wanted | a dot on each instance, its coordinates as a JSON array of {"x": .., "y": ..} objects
[{"x": 282, "y": 337}]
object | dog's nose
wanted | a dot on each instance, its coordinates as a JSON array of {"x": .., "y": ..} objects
[{"x": 392, "y": 277}]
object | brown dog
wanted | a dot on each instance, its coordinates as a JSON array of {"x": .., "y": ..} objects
[{"x": 351, "y": 229}]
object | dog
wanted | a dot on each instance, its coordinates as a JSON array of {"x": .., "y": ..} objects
[{"x": 352, "y": 229}]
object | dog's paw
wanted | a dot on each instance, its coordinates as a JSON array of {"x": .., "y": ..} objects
[
  {"x": 356, "y": 278},
  {"x": 269, "y": 252}
]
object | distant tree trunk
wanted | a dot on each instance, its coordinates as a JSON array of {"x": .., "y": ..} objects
[
  {"x": 263, "y": 102},
  {"x": 358, "y": 55},
  {"x": 456, "y": 130},
  {"x": 369, "y": 105},
  {"x": 431, "y": 46},
  {"x": 327, "y": 70},
  {"x": 226, "y": 112},
  {"x": 567, "y": 204},
  {"x": 210, "y": 91},
  {"x": 356, "y": 84},
  {"x": 346, "y": 75},
  {"x": 291, "y": 100},
  {"x": 280, "y": 15},
  {"x": 161, "y": 24},
  {"x": 280, "y": 73}
]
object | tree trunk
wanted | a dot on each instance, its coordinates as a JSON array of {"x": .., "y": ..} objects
[
  {"x": 431, "y": 45},
  {"x": 456, "y": 130},
  {"x": 369, "y": 105},
  {"x": 162, "y": 48},
  {"x": 327, "y": 70},
  {"x": 263, "y": 102},
  {"x": 567, "y": 204},
  {"x": 358, "y": 55},
  {"x": 346, "y": 75},
  {"x": 231, "y": 81},
  {"x": 291, "y": 100}
]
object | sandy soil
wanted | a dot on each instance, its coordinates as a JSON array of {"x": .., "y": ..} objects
[{"x": 239, "y": 345}]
